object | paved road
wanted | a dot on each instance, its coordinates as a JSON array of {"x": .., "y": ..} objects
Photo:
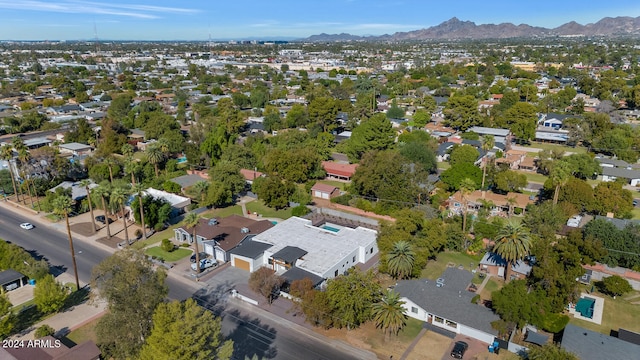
[{"x": 253, "y": 330}]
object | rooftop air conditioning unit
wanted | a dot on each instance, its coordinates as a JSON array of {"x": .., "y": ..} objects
[
  {"x": 213, "y": 222},
  {"x": 244, "y": 230}
]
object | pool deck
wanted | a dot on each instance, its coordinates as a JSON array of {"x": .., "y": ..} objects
[{"x": 598, "y": 308}]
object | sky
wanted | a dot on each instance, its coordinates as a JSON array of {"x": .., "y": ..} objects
[{"x": 260, "y": 19}]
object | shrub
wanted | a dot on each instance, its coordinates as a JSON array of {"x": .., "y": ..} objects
[
  {"x": 474, "y": 300},
  {"x": 614, "y": 285},
  {"x": 554, "y": 322},
  {"x": 185, "y": 245},
  {"x": 300, "y": 210},
  {"x": 167, "y": 245},
  {"x": 138, "y": 233},
  {"x": 44, "y": 330}
]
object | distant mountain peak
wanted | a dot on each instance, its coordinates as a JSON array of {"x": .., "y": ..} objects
[{"x": 455, "y": 28}]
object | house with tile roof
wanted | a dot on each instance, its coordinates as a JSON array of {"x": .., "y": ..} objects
[
  {"x": 324, "y": 191},
  {"x": 499, "y": 205},
  {"x": 339, "y": 171}
]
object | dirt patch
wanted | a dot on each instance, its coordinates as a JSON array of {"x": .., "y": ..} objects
[
  {"x": 113, "y": 242},
  {"x": 83, "y": 228},
  {"x": 370, "y": 338},
  {"x": 431, "y": 346}
]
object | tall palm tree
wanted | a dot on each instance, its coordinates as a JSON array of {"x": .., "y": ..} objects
[
  {"x": 389, "y": 314},
  {"x": 6, "y": 153},
  {"x": 488, "y": 142},
  {"x": 191, "y": 221},
  {"x": 559, "y": 175},
  {"x": 400, "y": 260},
  {"x": 512, "y": 243},
  {"x": 138, "y": 189},
  {"x": 104, "y": 192},
  {"x": 85, "y": 183},
  {"x": 24, "y": 157},
  {"x": 35, "y": 193},
  {"x": 200, "y": 189},
  {"x": 62, "y": 206},
  {"x": 119, "y": 197},
  {"x": 467, "y": 186},
  {"x": 130, "y": 164},
  {"x": 110, "y": 162},
  {"x": 155, "y": 156}
]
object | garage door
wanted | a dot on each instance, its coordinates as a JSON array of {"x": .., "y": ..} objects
[{"x": 242, "y": 264}]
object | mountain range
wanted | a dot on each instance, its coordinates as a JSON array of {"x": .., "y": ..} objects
[{"x": 455, "y": 29}]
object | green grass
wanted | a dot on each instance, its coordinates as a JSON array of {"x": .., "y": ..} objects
[
  {"x": 84, "y": 333},
  {"x": 534, "y": 177},
  {"x": 493, "y": 285},
  {"x": 259, "y": 207},
  {"x": 24, "y": 305},
  {"x": 175, "y": 255},
  {"x": 411, "y": 330},
  {"x": 223, "y": 212},
  {"x": 635, "y": 213},
  {"x": 547, "y": 146},
  {"x": 434, "y": 269},
  {"x": 443, "y": 165},
  {"x": 153, "y": 239},
  {"x": 53, "y": 217},
  {"x": 618, "y": 313}
]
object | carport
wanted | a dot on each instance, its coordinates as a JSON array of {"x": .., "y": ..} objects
[{"x": 11, "y": 280}]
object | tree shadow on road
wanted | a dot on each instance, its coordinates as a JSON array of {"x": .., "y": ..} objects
[{"x": 251, "y": 337}]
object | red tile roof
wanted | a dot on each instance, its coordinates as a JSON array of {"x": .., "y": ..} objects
[
  {"x": 325, "y": 188},
  {"x": 333, "y": 168},
  {"x": 250, "y": 175}
]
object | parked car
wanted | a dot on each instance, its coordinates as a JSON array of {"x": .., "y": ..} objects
[
  {"x": 203, "y": 255},
  {"x": 458, "y": 349},
  {"x": 101, "y": 219},
  {"x": 205, "y": 264},
  {"x": 27, "y": 226}
]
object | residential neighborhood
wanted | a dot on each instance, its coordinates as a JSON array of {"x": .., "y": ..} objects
[{"x": 394, "y": 199}]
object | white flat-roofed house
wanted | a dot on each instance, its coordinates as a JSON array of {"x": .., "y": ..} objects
[
  {"x": 326, "y": 250},
  {"x": 75, "y": 149}
]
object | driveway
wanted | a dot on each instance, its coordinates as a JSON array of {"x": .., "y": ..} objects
[{"x": 476, "y": 347}]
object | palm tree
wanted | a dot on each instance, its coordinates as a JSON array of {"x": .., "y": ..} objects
[
  {"x": 6, "y": 153},
  {"x": 138, "y": 189},
  {"x": 467, "y": 186},
  {"x": 400, "y": 260},
  {"x": 119, "y": 197},
  {"x": 191, "y": 221},
  {"x": 85, "y": 183},
  {"x": 559, "y": 176},
  {"x": 200, "y": 189},
  {"x": 389, "y": 314},
  {"x": 488, "y": 142},
  {"x": 130, "y": 165},
  {"x": 155, "y": 156},
  {"x": 62, "y": 206},
  {"x": 104, "y": 192},
  {"x": 512, "y": 243},
  {"x": 35, "y": 193},
  {"x": 110, "y": 162}
]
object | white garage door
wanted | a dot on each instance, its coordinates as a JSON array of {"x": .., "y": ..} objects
[{"x": 476, "y": 334}]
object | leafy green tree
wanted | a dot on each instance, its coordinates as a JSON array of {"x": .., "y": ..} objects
[
  {"x": 133, "y": 289},
  {"x": 400, "y": 260},
  {"x": 461, "y": 112},
  {"x": 62, "y": 207},
  {"x": 583, "y": 166},
  {"x": 512, "y": 243},
  {"x": 559, "y": 175},
  {"x": 510, "y": 181},
  {"x": 49, "y": 295},
  {"x": 578, "y": 193},
  {"x": 185, "y": 331},
  {"x": 375, "y": 133},
  {"x": 119, "y": 107},
  {"x": 545, "y": 219},
  {"x": 295, "y": 164},
  {"x": 389, "y": 314},
  {"x": 297, "y": 116},
  {"x": 394, "y": 111},
  {"x": 513, "y": 303},
  {"x": 419, "y": 153},
  {"x": 421, "y": 117},
  {"x": 323, "y": 111},
  {"x": 154, "y": 156},
  {"x": 549, "y": 352},
  {"x": 265, "y": 282},
  {"x": 44, "y": 330},
  {"x": 463, "y": 154},
  {"x": 351, "y": 297},
  {"x": 452, "y": 177},
  {"x": 273, "y": 191},
  {"x": 612, "y": 197},
  {"x": 8, "y": 320},
  {"x": 616, "y": 285}
]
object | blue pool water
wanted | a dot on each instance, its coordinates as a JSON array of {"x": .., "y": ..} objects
[{"x": 330, "y": 228}]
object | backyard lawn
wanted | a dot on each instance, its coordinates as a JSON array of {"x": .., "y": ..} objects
[
  {"x": 618, "y": 313},
  {"x": 260, "y": 208},
  {"x": 339, "y": 184},
  {"x": 568, "y": 149},
  {"x": 84, "y": 333},
  {"x": 492, "y": 285},
  {"x": 434, "y": 269},
  {"x": 175, "y": 255},
  {"x": 222, "y": 212}
]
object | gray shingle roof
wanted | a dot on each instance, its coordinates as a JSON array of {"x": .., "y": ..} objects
[
  {"x": 250, "y": 249},
  {"x": 451, "y": 301},
  {"x": 296, "y": 273},
  {"x": 290, "y": 254},
  {"x": 591, "y": 345},
  {"x": 8, "y": 276}
]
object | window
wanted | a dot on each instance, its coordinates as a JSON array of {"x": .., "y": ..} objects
[
  {"x": 438, "y": 320},
  {"x": 371, "y": 251},
  {"x": 336, "y": 273},
  {"x": 414, "y": 309},
  {"x": 451, "y": 324},
  {"x": 354, "y": 259}
]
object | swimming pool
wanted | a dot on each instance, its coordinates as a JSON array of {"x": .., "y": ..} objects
[
  {"x": 330, "y": 228},
  {"x": 585, "y": 306}
]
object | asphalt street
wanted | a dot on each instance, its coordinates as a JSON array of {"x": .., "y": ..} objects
[{"x": 253, "y": 330}]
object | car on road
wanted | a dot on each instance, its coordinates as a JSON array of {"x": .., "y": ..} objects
[
  {"x": 458, "y": 349},
  {"x": 27, "y": 226},
  {"x": 203, "y": 255},
  {"x": 101, "y": 219},
  {"x": 205, "y": 264}
]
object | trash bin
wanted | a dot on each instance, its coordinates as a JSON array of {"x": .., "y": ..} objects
[{"x": 32, "y": 281}]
